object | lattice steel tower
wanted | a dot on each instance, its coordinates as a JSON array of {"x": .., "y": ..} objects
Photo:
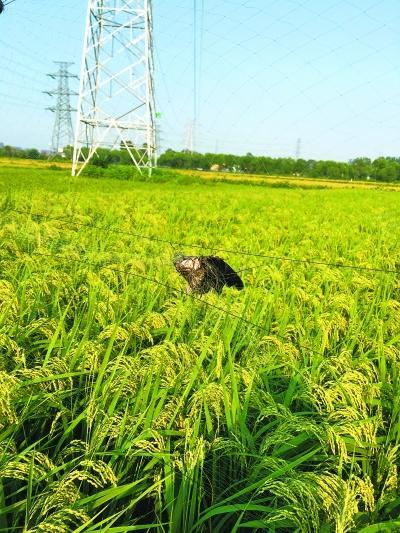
[
  {"x": 62, "y": 131},
  {"x": 116, "y": 98}
]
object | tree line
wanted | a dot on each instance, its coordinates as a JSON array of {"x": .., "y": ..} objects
[
  {"x": 22, "y": 153},
  {"x": 361, "y": 168}
]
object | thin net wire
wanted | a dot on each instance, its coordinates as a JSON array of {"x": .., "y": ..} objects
[{"x": 175, "y": 244}]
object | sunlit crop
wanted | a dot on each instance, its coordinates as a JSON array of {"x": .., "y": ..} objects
[{"x": 127, "y": 405}]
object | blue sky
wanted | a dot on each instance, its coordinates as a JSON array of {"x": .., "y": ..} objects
[{"x": 269, "y": 72}]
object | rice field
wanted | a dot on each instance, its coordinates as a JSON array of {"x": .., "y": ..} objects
[{"x": 128, "y": 405}]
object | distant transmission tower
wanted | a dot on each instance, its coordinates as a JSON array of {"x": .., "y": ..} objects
[
  {"x": 190, "y": 136},
  {"x": 116, "y": 99},
  {"x": 62, "y": 131},
  {"x": 298, "y": 149}
]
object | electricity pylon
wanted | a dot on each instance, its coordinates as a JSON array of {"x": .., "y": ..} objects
[
  {"x": 298, "y": 149},
  {"x": 190, "y": 136},
  {"x": 62, "y": 131},
  {"x": 116, "y": 99}
]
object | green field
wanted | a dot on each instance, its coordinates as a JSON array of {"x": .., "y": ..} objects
[{"x": 128, "y": 405}]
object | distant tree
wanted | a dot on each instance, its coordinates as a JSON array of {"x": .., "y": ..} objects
[
  {"x": 361, "y": 168},
  {"x": 385, "y": 169},
  {"x": 32, "y": 153},
  {"x": 102, "y": 158},
  {"x": 300, "y": 166},
  {"x": 69, "y": 151},
  {"x": 9, "y": 151}
]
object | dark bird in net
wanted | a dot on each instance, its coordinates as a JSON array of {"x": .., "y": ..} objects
[
  {"x": 205, "y": 273},
  {"x": 1, "y": 7}
]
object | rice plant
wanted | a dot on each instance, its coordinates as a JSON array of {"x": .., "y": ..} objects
[{"x": 128, "y": 405}]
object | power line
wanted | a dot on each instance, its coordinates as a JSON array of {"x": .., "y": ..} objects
[
  {"x": 4, "y": 4},
  {"x": 24, "y": 53},
  {"x": 19, "y": 85},
  {"x": 181, "y": 291},
  {"x": 210, "y": 248},
  {"x": 227, "y": 11},
  {"x": 323, "y": 15},
  {"x": 21, "y": 101}
]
